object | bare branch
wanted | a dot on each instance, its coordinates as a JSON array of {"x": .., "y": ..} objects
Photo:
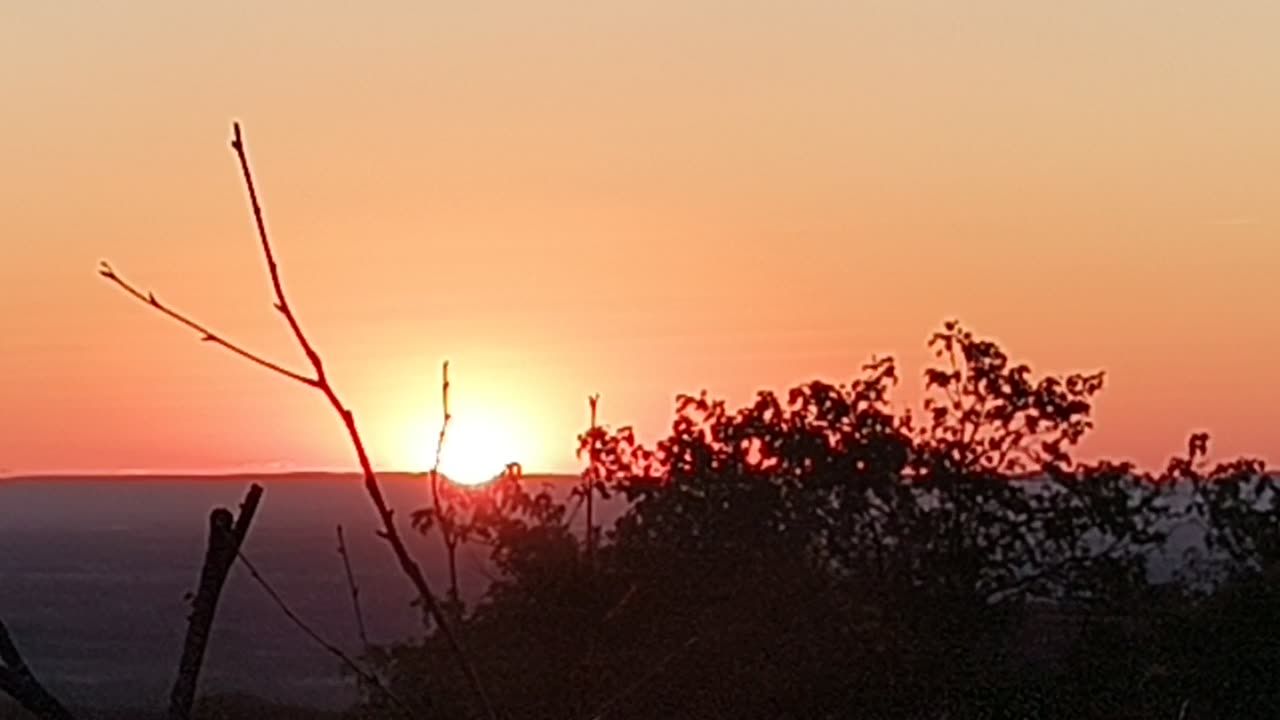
[
  {"x": 590, "y": 478},
  {"x": 282, "y": 304},
  {"x": 355, "y": 591},
  {"x": 408, "y": 565},
  {"x": 446, "y": 415},
  {"x": 19, "y": 683},
  {"x": 334, "y": 650},
  {"x": 225, "y": 539},
  {"x": 435, "y": 466},
  {"x": 444, "y": 521},
  {"x": 206, "y": 335}
]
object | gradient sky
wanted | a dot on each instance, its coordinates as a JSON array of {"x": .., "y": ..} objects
[{"x": 634, "y": 199}]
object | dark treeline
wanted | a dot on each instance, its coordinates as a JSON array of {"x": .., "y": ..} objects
[{"x": 824, "y": 555}]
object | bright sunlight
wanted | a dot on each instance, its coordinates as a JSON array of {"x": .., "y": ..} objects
[{"x": 477, "y": 447}]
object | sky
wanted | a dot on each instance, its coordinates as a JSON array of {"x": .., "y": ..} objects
[{"x": 630, "y": 199}]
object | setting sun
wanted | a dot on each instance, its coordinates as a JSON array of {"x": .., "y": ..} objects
[{"x": 477, "y": 447}]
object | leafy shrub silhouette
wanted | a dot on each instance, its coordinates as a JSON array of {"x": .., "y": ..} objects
[{"x": 820, "y": 554}]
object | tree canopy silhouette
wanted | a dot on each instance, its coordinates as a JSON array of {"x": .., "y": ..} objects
[{"x": 821, "y": 553}]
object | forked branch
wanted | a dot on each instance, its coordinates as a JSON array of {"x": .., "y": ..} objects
[{"x": 408, "y": 565}]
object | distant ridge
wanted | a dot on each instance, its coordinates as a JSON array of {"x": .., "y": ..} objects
[
  {"x": 290, "y": 475},
  {"x": 395, "y": 475}
]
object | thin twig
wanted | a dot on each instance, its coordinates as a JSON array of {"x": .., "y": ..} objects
[
  {"x": 207, "y": 335},
  {"x": 444, "y": 523},
  {"x": 389, "y": 532},
  {"x": 19, "y": 683},
  {"x": 446, "y": 416},
  {"x": 444, "y": 427},
  {"x": 590, "y": 482},
  {"x": 355, "y": 591},
  {"x": 318, "y": 639}
]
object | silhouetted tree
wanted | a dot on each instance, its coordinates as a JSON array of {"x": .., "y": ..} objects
[{"x": 819, "y": 554}]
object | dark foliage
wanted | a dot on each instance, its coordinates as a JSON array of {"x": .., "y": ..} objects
[{"x": 820, "y": 554}]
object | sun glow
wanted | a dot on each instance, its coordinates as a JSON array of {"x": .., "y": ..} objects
[{"x": 477, "y": 447}]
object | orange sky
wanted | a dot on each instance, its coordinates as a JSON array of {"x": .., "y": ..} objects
[{"x": 633, "y": 199}]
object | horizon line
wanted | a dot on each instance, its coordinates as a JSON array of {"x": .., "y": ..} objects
[
  {"x": 224, "y": 475},
  {"x": 141, "y": 475}
]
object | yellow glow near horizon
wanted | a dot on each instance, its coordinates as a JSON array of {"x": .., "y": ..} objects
[{"x": 476, "y": 448}]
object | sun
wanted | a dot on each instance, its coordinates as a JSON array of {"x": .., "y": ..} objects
[{"x": 476, "y": 448}]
